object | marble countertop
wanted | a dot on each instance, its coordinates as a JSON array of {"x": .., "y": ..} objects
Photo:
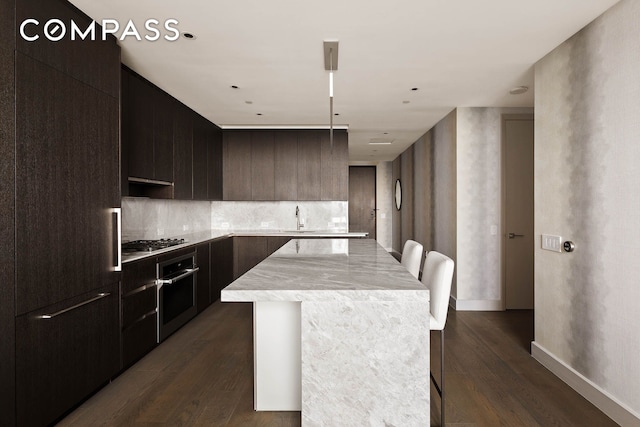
[
  {"x": 327, "y": 270},
  {"x": 196, "y": 238}
]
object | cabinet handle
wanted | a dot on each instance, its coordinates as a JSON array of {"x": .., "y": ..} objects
[
  {"x": 140, "y": 289},
  {"x": 118, "y": 212},
  {"x": 187, "y": 272},
  {"x": 73, "y": 307}
]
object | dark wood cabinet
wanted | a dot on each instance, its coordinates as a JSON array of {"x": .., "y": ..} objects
[
  {"x": 214, "y": 163},
  {"x": 309, "y": 166},
  {"x": 334, "y": 173},
  {"x": 262, "y": 166},
  {"x": 138, "y": 323},
  {"x": 137, "y": 139},
  {"x": 162, "y": 106},
  {"x": 203, "y": 282},
  {"x": 236, "y": 165},
  {"x": 222, "y": 271},
  {"x": 201, "y": 139},
  {"x": 60, "y": 173},
  {"x": 276, "y": 242},
  {"x": 197, "y": 156},
  {"x": 63, "y": 353},
  {"x": 182, "y": 152},
  {"x": 94, "y": 62},
  {"x": 247, "y": 253},
  {"x": 147, "y": 137},
  {"x": 286, "y": 165},
  {"x": 66, "y": 180}
]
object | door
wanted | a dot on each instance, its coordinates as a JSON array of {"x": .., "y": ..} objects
[
  {"x": 517, "y": 146},
  {"x": 362, "y": 199}
]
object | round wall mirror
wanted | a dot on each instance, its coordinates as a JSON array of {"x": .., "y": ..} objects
[{"x": 398, "y": 194}]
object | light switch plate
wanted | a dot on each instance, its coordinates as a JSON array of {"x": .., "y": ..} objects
[{"x": 552, "y": 243}]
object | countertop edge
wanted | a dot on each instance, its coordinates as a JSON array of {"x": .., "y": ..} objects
[{"x": 194, "y": 239}]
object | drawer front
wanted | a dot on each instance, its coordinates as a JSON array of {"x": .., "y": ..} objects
[
  {"x": 139, "y": 339},
  {"x": 138, "y": 304},
  {"x": 64, "y": 353},
  {"x": 137, "y": 274}
]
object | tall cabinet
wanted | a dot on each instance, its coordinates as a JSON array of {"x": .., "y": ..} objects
[{"x": 59, "y": 305}]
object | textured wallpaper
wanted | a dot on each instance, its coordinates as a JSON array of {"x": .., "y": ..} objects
[
  {"x": 587, "y": 152},
  {"x": 444, "y": 189},
  {"x": 479, "y": 202},
  {"x": 384, "y": 204}
]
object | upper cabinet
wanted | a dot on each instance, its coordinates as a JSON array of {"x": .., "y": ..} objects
[
  {"x": 148, "y": 134},
  {"x": 285, "y": 165},
  {"x": 168, "y": 150}
]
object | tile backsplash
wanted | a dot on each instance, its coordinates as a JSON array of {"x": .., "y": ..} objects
[
  {"x": 280, "y": 215},
  {"x": 144, "y": 218}
]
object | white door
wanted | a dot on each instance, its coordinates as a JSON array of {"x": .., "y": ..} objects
[{"x": 517, "y": 146}]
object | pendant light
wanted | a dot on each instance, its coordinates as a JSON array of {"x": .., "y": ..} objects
[{"x": 331, "y": 64}]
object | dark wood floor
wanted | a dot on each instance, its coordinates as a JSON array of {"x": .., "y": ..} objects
[{"x": 203, "y": 374}]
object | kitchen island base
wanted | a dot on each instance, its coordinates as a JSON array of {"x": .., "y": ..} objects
[{"x": 341, "y": 332}]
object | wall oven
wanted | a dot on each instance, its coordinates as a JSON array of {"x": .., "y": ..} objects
[{"x": 176, "y": 287}]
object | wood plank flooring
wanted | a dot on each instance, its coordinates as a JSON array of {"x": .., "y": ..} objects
[{"x": 203, "y": 376}]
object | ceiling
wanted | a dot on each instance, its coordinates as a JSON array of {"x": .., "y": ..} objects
[{"x": 457, "y": 53}]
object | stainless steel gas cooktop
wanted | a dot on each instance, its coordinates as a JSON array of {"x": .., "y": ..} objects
[{"x": 149, "y": 245}]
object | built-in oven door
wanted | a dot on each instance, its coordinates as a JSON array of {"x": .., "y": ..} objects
[{"x": 176, "y": 287}]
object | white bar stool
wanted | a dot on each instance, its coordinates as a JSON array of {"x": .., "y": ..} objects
[
  {"x": 412, "y": 257},
  {"x": 437, "y": 275}
]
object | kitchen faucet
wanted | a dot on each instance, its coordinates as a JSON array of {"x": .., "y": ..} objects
[{"x": 298, "y": 225}]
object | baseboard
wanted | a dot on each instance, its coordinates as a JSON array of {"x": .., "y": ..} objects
[
  {"x": 604, "y": 401},
  {"x": 475, "y": 305}
]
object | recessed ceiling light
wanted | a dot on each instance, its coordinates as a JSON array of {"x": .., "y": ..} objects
[
  {"x": 414, "y": 88},
  {"x": 258, "y": 114},
  {"x": 189, "y": 36},
  {"x": 380, "y": 141},
  {"x": 336, "y": 114},
  {"x": 518, "y": 90},
  {"x": 234, "y": 87}
]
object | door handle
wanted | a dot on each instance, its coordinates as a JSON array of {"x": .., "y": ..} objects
[
  {"x": 513, "y": 235},
  {"x": 118, "y": 231}
]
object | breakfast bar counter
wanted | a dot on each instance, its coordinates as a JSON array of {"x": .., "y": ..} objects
[{"x": 341, "y": 333}]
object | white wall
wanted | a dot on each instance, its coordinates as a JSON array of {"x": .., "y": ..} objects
[{"x": 587, "y": 156}]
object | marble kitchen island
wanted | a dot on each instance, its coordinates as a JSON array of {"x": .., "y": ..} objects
[{"x": 341, "y": 332}]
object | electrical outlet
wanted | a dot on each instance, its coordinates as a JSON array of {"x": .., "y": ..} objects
[{"x": 552, "y": 243}]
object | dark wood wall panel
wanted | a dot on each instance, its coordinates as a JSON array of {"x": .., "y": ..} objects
[{"x": 7, "y": 213}]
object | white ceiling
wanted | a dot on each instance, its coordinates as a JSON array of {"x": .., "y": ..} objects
[{"x": 458, "y": 53}]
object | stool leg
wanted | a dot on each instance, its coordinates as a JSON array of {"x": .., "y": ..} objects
[{"x": 442, "y": 377}]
